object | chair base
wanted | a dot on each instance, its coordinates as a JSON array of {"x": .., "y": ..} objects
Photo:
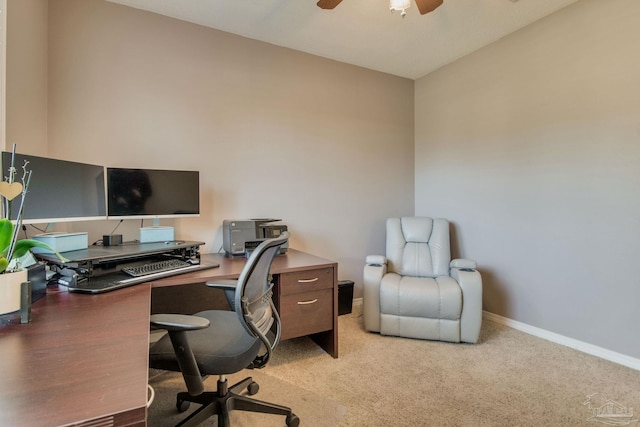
[{"x": 227, "y": 399}]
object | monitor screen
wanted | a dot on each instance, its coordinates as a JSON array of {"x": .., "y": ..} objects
[
  {"x": 152, "y": 193},
  {"x": 59, "y": 190}
]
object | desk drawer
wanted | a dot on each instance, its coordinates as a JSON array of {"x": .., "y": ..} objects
[
  {"x": 305, "y": 281},
  {"x": 308, "y": 313}
]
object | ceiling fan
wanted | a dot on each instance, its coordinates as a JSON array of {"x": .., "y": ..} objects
[{"x": 424, "y": 6}]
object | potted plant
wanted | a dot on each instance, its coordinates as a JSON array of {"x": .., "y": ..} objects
[{"x": 12, "y": 249}]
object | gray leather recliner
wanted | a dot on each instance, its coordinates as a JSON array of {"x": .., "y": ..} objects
[{"x": 416, "y": 290}]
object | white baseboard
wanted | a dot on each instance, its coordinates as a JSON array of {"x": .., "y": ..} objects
[
  {"x": 357, "y": 306},
  {"x": 584, "y": 347}
]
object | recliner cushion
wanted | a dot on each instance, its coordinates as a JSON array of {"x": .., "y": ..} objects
[{"x": 425, "y": 297}]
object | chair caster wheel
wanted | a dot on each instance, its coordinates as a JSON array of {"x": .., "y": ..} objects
[
  {"x": 292, "y": 420},
  {"x": 253, "y": 388},
  {"x": 182, "y": 405}
]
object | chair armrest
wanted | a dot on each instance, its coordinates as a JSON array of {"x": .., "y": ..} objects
[
  {"x": 376, "y": 260},
  {"x": 177, "y": 325},
  {"x": 178, "y": 322},
  {"x": 229, "y": 287},
  {"x": 224, "y": 284},
  {"x": 375, "y": 269},
  {"x": 463, "y": 263},
  {"x": 470, "y": 282}
]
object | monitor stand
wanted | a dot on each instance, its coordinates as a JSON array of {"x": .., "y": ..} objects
[{"x": 156, "y": 233}]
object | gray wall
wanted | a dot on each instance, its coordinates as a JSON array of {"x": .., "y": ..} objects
[
  {"x": 26, "y": 76},
  {"x": 274, "y": 132},
  {"x": 531, "y": 147}
]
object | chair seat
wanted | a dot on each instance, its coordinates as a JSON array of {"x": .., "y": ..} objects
[
  {"x": 423, "y": 297},
  {"x": 221, "y": 349}
]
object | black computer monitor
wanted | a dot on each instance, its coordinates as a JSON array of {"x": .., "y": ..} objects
[
  {"x": 59, "y": 190},
  {"x": 152, "y": 193}
]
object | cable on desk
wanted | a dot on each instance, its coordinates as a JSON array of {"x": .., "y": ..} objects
[{"x": 150, "y": 395}]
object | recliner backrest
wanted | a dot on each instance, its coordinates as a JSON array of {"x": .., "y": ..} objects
[{"x": 418, "y": 246}]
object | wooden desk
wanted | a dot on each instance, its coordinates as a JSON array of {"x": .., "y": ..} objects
[{"x": 83, "y": 359}]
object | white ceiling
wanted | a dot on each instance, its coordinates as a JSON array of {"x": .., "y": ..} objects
[{"x": 364, "y": 32}]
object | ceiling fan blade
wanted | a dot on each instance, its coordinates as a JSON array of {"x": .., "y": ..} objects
[
  {"x": 426, "y": 6},
  {"x": 328, "y": 4}
]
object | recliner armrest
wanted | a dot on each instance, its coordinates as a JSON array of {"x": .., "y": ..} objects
[
  {"x": 376, "y": 260},
  {"x": 470, "y": 283},
  {"x": 374, "y": 270},
  {"x": 463, "y": 263},
  {"x": 178, "y": 322}
]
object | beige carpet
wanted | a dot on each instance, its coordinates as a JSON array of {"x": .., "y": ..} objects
[
  {"x": 306, "y": 405},
  {"x": 508, "y": 379}
]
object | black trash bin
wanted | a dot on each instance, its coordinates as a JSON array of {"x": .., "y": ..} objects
[{"x": 345, "y": 296}]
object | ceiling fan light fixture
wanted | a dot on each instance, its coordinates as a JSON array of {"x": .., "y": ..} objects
[{"x": 401, "y": 5}]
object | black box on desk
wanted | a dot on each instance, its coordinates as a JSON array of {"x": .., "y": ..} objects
[{"x": 345, "y": 296}]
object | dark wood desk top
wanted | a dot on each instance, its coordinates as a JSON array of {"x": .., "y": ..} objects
[
  {"x": 230, "y": 268},
  {"x": 81, "y": 357}
]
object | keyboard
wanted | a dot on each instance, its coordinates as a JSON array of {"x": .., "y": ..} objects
[
  {"x": 113, "y": 281},
  {"x": 156, "y": 267}
]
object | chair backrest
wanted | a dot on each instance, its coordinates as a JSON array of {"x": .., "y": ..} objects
[
  {"x": 418, "y": 246},
  {"x": 253, "y": 297}
]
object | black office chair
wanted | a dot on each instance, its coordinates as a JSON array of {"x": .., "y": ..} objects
[{"x": 218, "y": 342}]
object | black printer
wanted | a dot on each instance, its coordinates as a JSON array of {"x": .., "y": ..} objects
[{"x": 241, "y": 236}]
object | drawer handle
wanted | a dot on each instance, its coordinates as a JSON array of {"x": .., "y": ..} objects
[
  {"x": 315, "y": 279},
  {"x": 308, "y": 302}
]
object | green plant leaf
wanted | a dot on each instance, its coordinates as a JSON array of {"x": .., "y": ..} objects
[
  {"x": 23, "y": 246},
  {"x": 6, "y": 234}
]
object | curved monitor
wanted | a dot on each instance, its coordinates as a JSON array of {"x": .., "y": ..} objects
[
  {"x": 152, "y": 193},
  {"x": 59, "y": 190}
]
